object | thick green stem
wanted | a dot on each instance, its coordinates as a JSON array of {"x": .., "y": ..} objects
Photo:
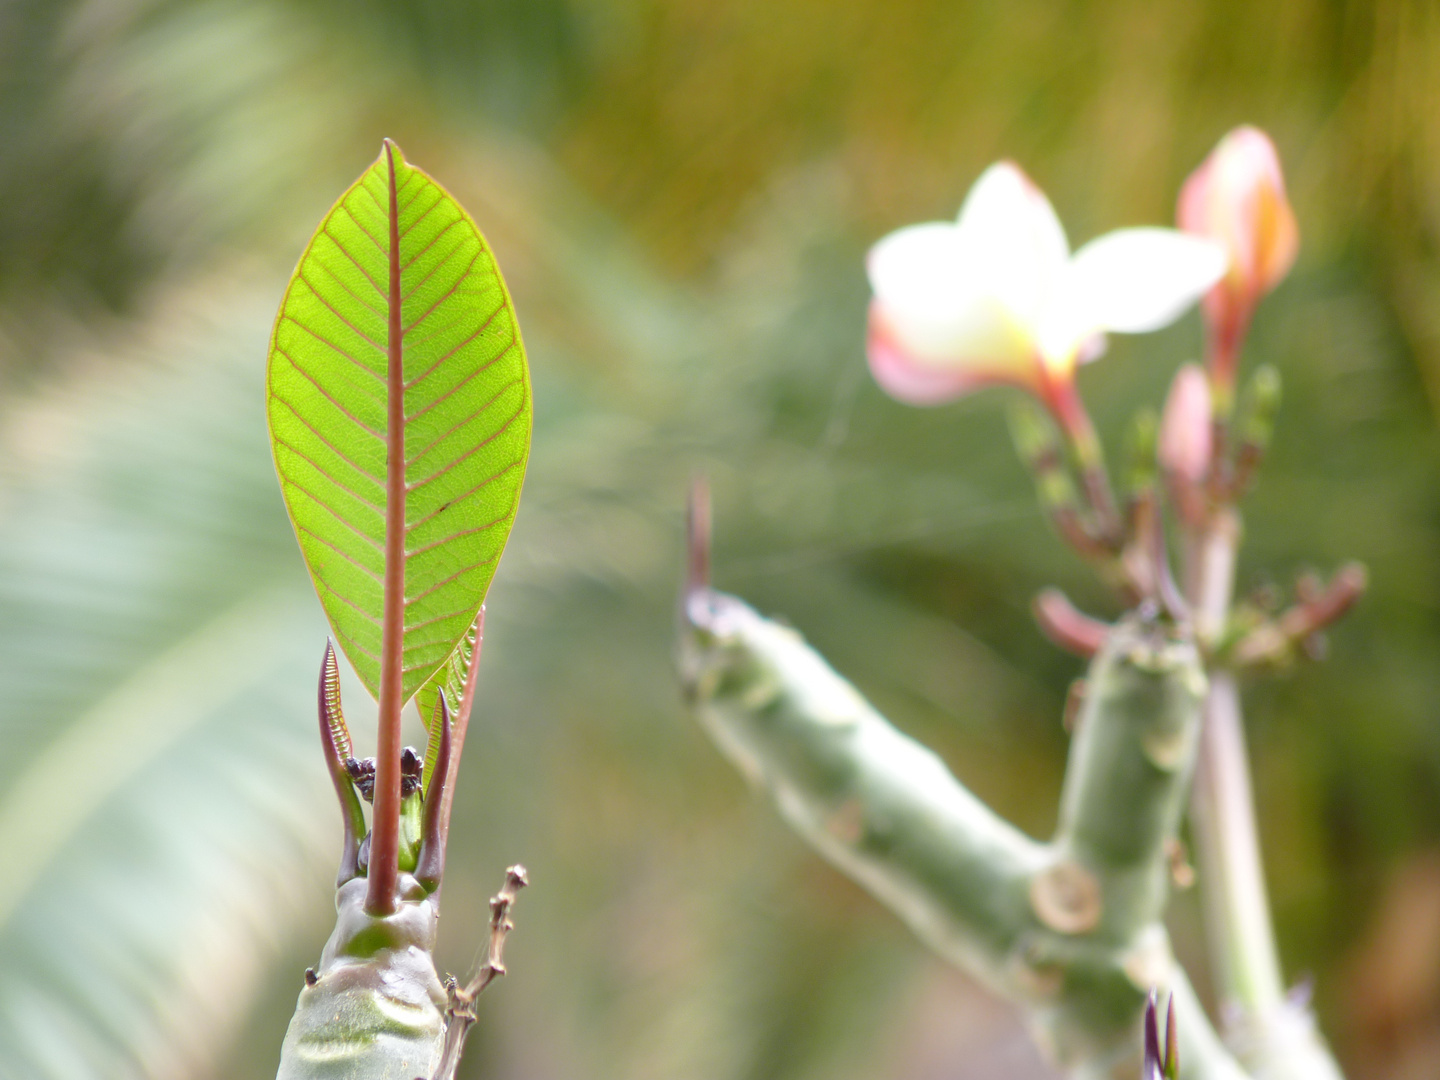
[
  {"x": 1276, "y": 1039},
  {"x": 1070, "y": 931}
]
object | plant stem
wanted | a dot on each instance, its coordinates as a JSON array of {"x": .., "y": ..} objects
[
  {"x": 1069, "y": 410},
  {"x": 1274, "y": 1038},
  {"x": 1070, "y": 931},
  {"x": 380, "y": 897},
  {"x": 1237, "y": 908}
]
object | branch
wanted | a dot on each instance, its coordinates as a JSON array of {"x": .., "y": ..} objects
[
  {"x": 1275, "y": 1036},
  {"x": 1068, "y": 931},
  {"x": 460, "y": 1013}
]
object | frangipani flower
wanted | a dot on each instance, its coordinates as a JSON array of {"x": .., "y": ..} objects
[
  {"x": 1237, "y": 198},
  {"x": 997, "y": 297}
]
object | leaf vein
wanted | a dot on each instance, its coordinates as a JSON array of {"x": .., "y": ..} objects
[
  {"x": 330, "y": 477},
  {"x": 325, "y": 441},
  {"x": 482, "y": 368},
  {"x": 423, "y": 213},
  {"x": 358, "y": 332},
  {"x": 437, "y": 474},
  {"x": 462, "y": 422},
  {"x": 413, "y": 289},
  {"x": 448, "y": 293},
  {"x": 360, "y": 225},
  {"x": 464, "y": 495},
  {"x": 341, "y": 552},
  {"x": 428, "y": 245},
  {"x": 458, "y": 346},
  {"x": 349, "y": 291},
  {"x": 446, "y": 581},
  {"x": 325, "y": 228},
  {"x": 358, "y": 610},
  {"x": 456, "y": 536},
  {"x": 328, "y": 396}
]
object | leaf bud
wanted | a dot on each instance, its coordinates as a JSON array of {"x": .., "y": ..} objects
[
  {"x": 1140, "y": 453},
  {"x": 1258, "y": 406}
]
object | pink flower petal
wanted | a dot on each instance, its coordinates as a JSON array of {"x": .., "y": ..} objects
[{"x": 916, "y": 382}]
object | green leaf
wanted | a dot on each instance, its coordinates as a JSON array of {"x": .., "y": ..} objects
[
  {"x": 397, "y": 329},
  {"x": 451, "y": 678}
]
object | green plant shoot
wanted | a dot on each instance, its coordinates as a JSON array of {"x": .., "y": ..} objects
[{"x": 400, "y": 412}]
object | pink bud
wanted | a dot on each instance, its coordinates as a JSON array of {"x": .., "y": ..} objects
[
  {"x": 1237, "y": 198},
  {"x": 1186, "y": 443}
]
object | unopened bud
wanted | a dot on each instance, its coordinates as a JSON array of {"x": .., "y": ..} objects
[
  {"x": 1237, "y": 198},
  {"x": 1186, "y": 439},
  {"x": 1258, "y": 406}
]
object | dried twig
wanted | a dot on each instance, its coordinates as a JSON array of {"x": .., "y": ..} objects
[{"x": 460, "y": 1013}]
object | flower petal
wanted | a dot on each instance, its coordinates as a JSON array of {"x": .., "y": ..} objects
[
  {"x": 918, "y": 382},
  {"x": 937, "y": 308},
  {"x": 1130, "y": 281},
  {"x": 1237, "y": 197},
  {"x": 1009, "y": 231}
]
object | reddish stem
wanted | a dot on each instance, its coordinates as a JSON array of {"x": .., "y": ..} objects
[
  {"x": 1063, "y": 397},
  {"x": 1066, "y": 625},
  {"x": 697, "y": 575},
  {"x": 381, "y": 893}
]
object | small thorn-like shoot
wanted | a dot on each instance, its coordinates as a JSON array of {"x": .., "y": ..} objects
[
  {"x": 330, "y": 710},
  {"x": 1172, "y": 1043},
  {"x": 696, "y": 609},
  {"x": 335, "y": 738},
  {"x": 430, "y": 866},
  {"x": 1153, "y": 1061},
  {"x": 697, "y": 575},
  {"x": 1160, "y": 1064}
]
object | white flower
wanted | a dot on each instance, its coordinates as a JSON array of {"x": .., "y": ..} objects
[{"x": 997, "y": 297}]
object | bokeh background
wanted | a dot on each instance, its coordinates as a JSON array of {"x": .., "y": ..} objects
[{"x": 681, "y": 193}]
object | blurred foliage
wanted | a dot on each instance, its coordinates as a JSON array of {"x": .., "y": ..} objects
[{"x": 681, "y": 194}]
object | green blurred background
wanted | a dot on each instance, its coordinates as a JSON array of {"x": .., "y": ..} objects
[{"x": 681, "y": 193}]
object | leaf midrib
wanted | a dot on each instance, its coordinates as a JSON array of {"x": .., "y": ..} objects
[{"x": 385, "y": 839}]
